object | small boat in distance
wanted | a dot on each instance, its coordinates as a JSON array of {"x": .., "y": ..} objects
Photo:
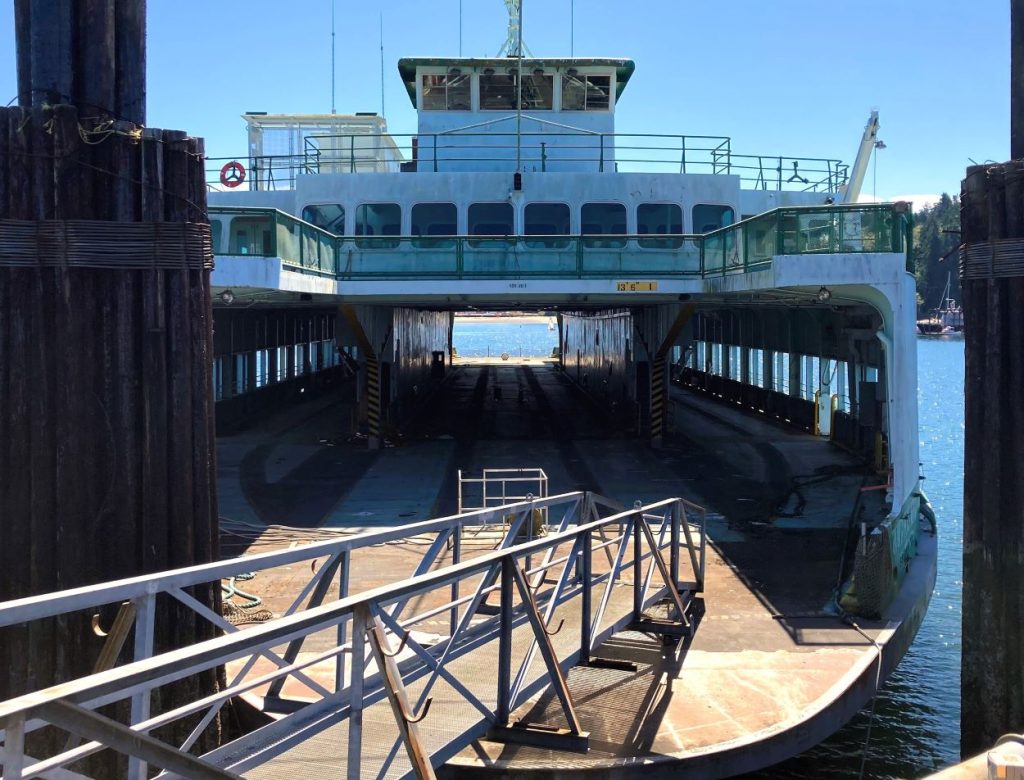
[{"x": 947, "y": 318}]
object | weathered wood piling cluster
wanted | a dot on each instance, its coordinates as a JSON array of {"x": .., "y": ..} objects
[
  {"x": 992, "y": 277},
  {"x": 107, "y": 461}
]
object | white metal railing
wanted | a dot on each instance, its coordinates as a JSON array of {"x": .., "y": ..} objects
[
  {"x": 501, "y": 486},
  {"x": 375, "y": 676}
]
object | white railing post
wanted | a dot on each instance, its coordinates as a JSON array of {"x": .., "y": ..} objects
[
  {"x": 145, "y": 618},
  {"x": 14, "y": 747},
  {"x": 638, "y": 577},
  {"x": 677, "y": 514},
  {"x": 339, "y": 660},
  {"x": 355, "y": 715}
]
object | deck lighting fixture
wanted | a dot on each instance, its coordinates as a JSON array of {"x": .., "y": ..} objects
[
  {"x": 824, "y": 295},
  {"x": 227, "y": 297}
]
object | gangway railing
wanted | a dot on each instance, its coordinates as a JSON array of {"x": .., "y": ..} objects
[{"x": 380, "y": 679}]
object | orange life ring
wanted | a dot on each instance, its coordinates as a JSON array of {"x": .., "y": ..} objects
[{"x": 232, "y": 174}]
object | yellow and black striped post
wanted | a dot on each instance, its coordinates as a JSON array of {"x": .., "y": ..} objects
[
  {"x": 657, "y": 399},
  {"x": 372, "y": 363},
  {"x": 659, "y": 369},
  {"x": 373, "y": 399}
]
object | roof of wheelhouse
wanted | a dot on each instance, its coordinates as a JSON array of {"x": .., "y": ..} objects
[{"x": 407, "y": 67}]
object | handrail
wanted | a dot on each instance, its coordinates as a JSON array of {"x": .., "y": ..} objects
[
  {"x": 742, "y": 247},
  {"x": 90, "y": 596},
  {"x": 353, "y": 153},
  {"x": 71, "y": 705}
]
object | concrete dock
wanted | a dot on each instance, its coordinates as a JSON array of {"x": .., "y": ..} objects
[{"x": 772, "y": 668}]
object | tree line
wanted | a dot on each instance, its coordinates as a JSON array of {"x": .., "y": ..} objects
[{"x": 936, "y": 236}]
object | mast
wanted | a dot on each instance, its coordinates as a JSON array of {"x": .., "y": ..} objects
[
  {"x": 332, "y": 57},
  {"x": 519, "y": 86}
]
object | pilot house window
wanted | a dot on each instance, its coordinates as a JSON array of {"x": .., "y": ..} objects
[
  {"x": 498, "y": 90},
  {"x": 446, "y": 92},
  {"x": 538, "y": 91},
  {"x": 585, "y": 93}
]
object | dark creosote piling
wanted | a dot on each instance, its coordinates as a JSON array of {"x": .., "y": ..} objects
[
  {"x": 106, "y": 446},
  {"x": 992, "y": 273}
]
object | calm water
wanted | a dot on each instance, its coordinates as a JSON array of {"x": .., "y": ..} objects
[
  {"x": 491, "y": 339},
  {"x": 916, "y": 727}
]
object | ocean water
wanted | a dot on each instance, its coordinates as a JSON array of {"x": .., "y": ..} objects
[{"x": 516, "y": 339}]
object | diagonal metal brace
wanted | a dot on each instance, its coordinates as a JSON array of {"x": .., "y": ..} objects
[
  {"x": 95, "y": 727},
  {"x": 373, "y": 628},
  {"x": 557, "y": 677},
  {"x": 659, "y": 561}
]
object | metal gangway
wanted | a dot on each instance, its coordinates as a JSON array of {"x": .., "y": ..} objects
[{"x": 382, "y": 700}]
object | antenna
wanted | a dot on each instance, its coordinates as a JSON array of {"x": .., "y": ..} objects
[
  {"x": 513, "y": 45},
  {"x": 519, "y": 85},
  {"x": 332, "y": 57},
  {"x": 382, "y": 63}
]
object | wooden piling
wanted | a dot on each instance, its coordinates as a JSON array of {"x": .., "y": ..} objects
[
  {"x": 107, "y": 465},
  {"x": 992, "y": 277}
]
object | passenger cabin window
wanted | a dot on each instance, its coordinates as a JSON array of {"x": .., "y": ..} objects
[
  {"x": 497, "y": 90},
  {"x": 252, "y": 236},
  {"x": 585, "y": 93},
  {"x": 708, "y": 217},
  {"x": 329, "y": 216},
  {"x": 538, "y": 91},
  {"x": 216, "y": 230},
  {"x": 445, "y": 92},
  {"x": 378, "y": 219},
  {"x": 660, "y": 219},
  {"x": 430, "y": 221},
  {"x": 546, "y": 219},
  {"x": 490, "y": 219},
  {"x": 607, "y": 220}
]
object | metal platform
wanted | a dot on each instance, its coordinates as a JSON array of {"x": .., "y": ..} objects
[{"x": 398, "y": 705}]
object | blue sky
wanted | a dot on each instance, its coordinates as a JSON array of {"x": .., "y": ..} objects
[{"x": 792, "y": 77}]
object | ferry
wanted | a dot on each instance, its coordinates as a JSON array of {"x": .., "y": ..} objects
[
  {"x": 742, "y": 308},
  {"x": 741, "y": 290}
]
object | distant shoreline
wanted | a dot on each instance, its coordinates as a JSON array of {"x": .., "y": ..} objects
[{"x": 504, "y": 319}]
